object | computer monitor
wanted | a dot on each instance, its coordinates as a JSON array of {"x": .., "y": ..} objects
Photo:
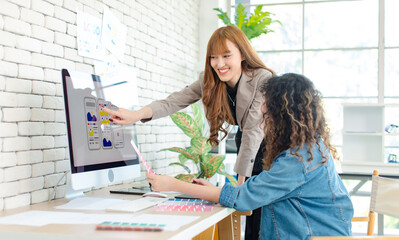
[{"x": 100, "y": 152}]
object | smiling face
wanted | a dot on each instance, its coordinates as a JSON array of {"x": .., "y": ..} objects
[{"x": 227, "y": 65}]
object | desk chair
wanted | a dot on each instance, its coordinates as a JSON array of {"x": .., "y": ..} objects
[{"x": 384, "y": 199}]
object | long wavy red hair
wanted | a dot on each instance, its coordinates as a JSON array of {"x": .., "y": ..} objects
[{"x": 214, "y": 96}]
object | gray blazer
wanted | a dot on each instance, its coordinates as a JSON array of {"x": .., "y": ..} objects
[{"x": 248, "y": 102}]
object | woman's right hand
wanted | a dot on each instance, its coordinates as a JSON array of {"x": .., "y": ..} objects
[
  {"x": 203, "y": 182},
  {"x": 123, "y": 116}
]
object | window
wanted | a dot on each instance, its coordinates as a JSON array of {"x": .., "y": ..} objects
[{"x": 337, "y": 44}]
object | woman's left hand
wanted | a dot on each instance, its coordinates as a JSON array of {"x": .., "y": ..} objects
[{"x": 161, "y": 182}]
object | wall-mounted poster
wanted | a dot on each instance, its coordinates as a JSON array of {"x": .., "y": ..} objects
[
  {"x": 113, "y": 34},
  {"x": 89, "y": 31},
  {"x": 109, "y": 64}
]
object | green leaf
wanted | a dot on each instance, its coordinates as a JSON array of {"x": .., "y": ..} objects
[
  {"x": 232, "y": 179},
  {"x": 187, "y": 124},
  {"x": 211, "y": 163},
  {"x": 188, "y": 153},
  {"x": 223, "y": 16},
  {"x": 181, "y": 165},
  {"x": 222, "y": 167},
  {"x": 198, "y": 117},
  {"x": 240, "y": 15},
  {"x": 186, "y": 177},
  {"x": 183, "y": 159},
  {"x": 200, "y": 145}
]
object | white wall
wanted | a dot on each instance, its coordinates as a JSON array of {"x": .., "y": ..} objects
[
  {"x": 37, "y": 39},
  {"x": 209, "y": 23}
]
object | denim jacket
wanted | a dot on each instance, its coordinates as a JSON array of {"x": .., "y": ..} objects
[{"x": 299, "y": 199}]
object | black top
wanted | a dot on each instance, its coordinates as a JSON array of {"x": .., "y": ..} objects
[{"x": 232, "y": 96}]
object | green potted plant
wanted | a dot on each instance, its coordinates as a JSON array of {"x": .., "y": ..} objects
[
  {"x": 207, "y": 164},
  {"x": 252, "y": 25}
]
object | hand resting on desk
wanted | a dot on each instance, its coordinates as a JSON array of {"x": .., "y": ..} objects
[{"x": 204, "y": 189}]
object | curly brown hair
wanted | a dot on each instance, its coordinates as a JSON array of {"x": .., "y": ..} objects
[
  {"x": 214, "y": 97},
  {"x": 292, "y": 117}
]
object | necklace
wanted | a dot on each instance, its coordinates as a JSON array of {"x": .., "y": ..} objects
[{"x": 232, "y": 101}]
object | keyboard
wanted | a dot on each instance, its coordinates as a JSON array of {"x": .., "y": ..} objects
[{"x": 136, "y": 205}]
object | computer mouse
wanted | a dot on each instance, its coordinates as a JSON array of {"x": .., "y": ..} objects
[{"x": 155, "y": 194}]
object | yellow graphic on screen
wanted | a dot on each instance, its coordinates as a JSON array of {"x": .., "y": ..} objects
[
  {"x": 103, "y": 113},
  {"x": 91, "y": 133},
  {"x": 104, "y": 121}
]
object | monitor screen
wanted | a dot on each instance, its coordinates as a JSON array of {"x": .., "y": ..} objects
[{"x": 100, "y": 151}]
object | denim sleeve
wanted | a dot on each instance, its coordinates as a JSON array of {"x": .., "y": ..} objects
[
  {"x": 280, "y": 182},
  {"x": 228, "y": 195}
]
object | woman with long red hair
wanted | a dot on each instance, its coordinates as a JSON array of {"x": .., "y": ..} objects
[{"x": 230, "y": 91}]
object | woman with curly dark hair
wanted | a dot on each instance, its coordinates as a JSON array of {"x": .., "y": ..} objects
[{"x": 299, "y": 190}]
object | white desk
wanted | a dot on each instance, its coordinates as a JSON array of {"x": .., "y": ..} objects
[{"x": 204, "y": 225}]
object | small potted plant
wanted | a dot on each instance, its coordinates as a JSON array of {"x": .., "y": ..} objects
[
  {"x": 207, "y": 164},
  {"x": 253, "y": 25}
]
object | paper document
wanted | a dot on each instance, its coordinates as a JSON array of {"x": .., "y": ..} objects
[
  {"x": 41, "y": 218},
  {"x": 91, "y": 203}
]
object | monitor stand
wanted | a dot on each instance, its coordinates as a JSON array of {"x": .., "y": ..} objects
[{"x": 71, "y": 193}]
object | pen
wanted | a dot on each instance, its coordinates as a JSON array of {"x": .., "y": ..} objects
[{"x": 201, "y": 175}]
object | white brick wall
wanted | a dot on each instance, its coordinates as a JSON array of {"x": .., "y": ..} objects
[
  {"x": 42, "y": 169},
  {"x": 16, "y": 114},
  {"x": 42, "y": 142},
  {"x": 1, "y": 175},
  {"x": 13, "y": 144},
  {"x": 17, "y": 26},
  {"x": 31, "y": 184},
  {"x": 29, "y": 100},
  {"x": 39, "y": 196},
  {"x": 45, "y": 115},
  {"x": 8, "y": 189},
  {"x": 16, "y": 173},
  {"x": 29, "y": 157},
  {"x": 18, "y": 85},
  {"x": 16, "y": 55},
  {"x": 31, "y": 16},
  {"x": 8, "y": 39},
  {"x": 9, "y": 9},
  {"x": 8, "y": 159},
  {"x": 30, "y": 72},
  {"x": 37, "y": 40},
  {"x": 54, "y": 154},
  {"x": 17, "y": 201},
  {"x": 30, "y": 44},
  {"x": 43, "y": 88},
  {"x": 8, "y": 129},
  {"x": 8, "y": 99},
  {"x": 30, "y": 128},
  {"x": 53, "y": 179}
]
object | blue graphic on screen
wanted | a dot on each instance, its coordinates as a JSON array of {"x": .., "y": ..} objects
[
  {"x": 107, "y": 143},
  {"x": 91, "y": 118}
]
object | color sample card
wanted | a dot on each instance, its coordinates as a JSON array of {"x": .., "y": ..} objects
[
  {"x": 185, "y": 205},
  {"x": 125, "y": 226},
  {"x": 149, "y": 170}
]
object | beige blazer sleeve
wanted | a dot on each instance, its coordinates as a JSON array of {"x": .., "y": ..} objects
[
  {"x": 177, "y": 100},
  {"x": 249, "y": 100}
]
